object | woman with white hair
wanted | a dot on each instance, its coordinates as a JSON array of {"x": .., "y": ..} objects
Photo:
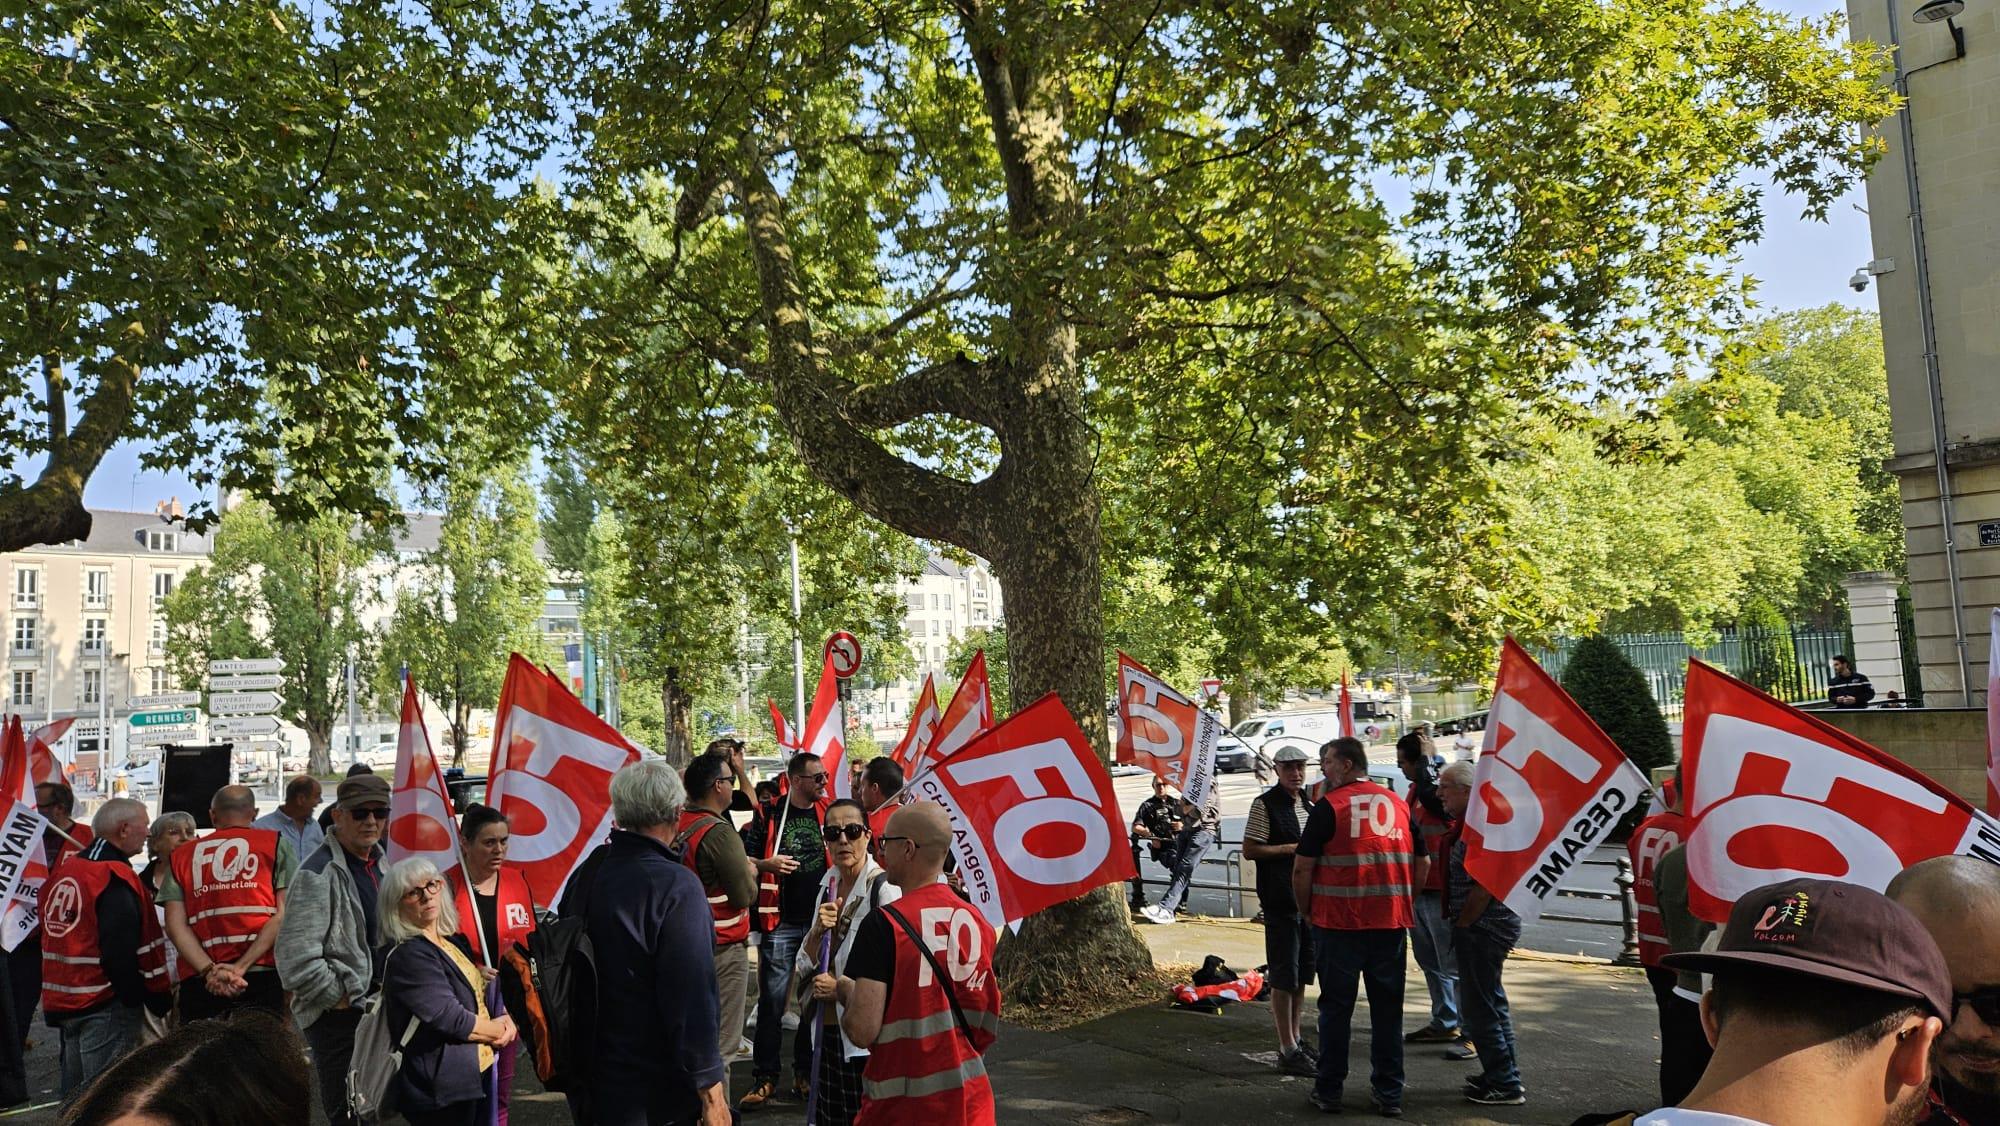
[{"x": 439, "y": 998}]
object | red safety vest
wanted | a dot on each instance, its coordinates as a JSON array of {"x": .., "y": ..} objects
[
  {"x": 64, "y": 850},
  {"x": 1655, "y": 837},
  {"x": 1431, "y": 831},
  {"x": 732, "y": 924},
  {"x": 1362, "y": 880},
  {"x": 513, "y": 908},
  {"x": 226, "y": 890},
  {"x": 920, "y": 1068},
  {"x": 73, "y": 977},
  {"x": 878, "y": 821}
]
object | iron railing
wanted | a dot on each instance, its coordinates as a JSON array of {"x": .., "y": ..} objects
[{"x": 1793, "y": 664}]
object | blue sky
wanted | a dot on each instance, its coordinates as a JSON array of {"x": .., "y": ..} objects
[{"x": 1798, "y": 264}]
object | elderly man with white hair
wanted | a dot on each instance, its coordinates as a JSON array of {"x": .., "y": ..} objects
[{"x": 656, "y": 1057}]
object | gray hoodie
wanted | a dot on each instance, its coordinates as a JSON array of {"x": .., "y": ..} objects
[{"x": 324, "y": 949}]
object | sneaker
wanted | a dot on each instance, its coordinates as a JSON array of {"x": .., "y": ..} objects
[
  {"x": 1384, "y": 1108},
  {"x": 1432, "y": 1033},
  {"x": 1296, "y": 1062},
  {"x": 1323, "y": 1104},
  {"x": 1158, "y": 916},
  {"x": 1462, "y": 1049},
  {"x": 1512, "y": 1097},
  {"x": 1310, "y": 1052},
  {"x": 760, "y": 1095},
  {"x": 1478, "y": 1087}
]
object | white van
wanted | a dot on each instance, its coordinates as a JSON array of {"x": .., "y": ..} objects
[{"x": 1310, "y": 729}]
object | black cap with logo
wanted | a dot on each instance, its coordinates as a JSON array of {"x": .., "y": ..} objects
[{"x": 1830, "y": 931}]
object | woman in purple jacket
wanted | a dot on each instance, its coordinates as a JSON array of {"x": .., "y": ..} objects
[{"x": 445, "y": 1003}]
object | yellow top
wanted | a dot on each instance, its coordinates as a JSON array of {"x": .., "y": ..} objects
[{"x": 478, "y": 982}]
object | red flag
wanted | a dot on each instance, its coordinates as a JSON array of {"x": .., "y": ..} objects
[
  {"x": 23, "y": 868},
  {"x": 1165, "y": 732},
  {"x": 923, "y": 728},
  {"x": 552, "y": 765},
  {"x": 1346, "y": 710},
  {"x": 968, "y": 717},
  {"x": 420, "y": 821},
  {"x": 1547, "y": 789},
  {"x": 42, "y": 761},
  {"x": 1034, "y": 820},
  {"x": 1993, "y": 716},
  {"x": 826, "y": 734},
  {"x": 1774, "y": 793},
  {"x": 788, "y": 743}
]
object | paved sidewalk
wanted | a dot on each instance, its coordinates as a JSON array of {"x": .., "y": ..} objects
[{"x": 1586, "y": 1032}]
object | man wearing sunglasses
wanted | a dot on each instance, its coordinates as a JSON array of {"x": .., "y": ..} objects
[
  {"x": 793, "y": 848},
  {"x": 330, "y": 948},
  {"x": 1957, "y": 898}
]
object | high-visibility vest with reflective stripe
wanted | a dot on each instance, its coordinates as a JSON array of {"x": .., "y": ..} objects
[
  {"x": 732, "y": 924},
  {"x": 1655, "y": 837},
  {"x": 226, "y": 890},
  {"x": 1362, "y": 879},
  {"x": 73, "y": 977},
  {"x": 1431, "y": 831},
  {"x": 920, "y": 1068},
  {"x": 513, "y": 913}
]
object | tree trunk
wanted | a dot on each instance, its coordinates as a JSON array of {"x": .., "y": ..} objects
[
  {"x": 319, "y": 752},
  {"x": 679, "y": 739},
  {"x": 461, "y": 719},
  {"x": 1242, "y": 705}
]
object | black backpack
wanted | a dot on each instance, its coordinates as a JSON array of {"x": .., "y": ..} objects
[{"x": 550, "y": 985}]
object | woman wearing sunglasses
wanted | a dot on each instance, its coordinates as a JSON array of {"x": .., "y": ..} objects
[
  {"x": 854, "y": 885},
  {"x": 443, "y": 1007}
]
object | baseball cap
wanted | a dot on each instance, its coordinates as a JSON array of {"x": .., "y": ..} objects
[
  {"x": 360, "y": 790},
  {"x": 1293, "y": 753},
  {"x": 1830, "y": 931}
]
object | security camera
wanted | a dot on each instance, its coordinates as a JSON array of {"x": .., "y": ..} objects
[{"x": 1859, "y": 282}]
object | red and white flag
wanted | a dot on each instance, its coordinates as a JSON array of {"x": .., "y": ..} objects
[
  {"x": 1346, "y": 710},
  {"x": 968, "y": 717},
  {"x": 1993, "y": 716},
  {"x": 1034, "y": 820},
  {"x": 42, "y": 761},
  {"x": 1775, "y": 794},
  {"x": 788, "y": 743},
  {"x": 1163, "y": 731},
  {"x": 23, "y": 867},
  {"x": 923, "y": 727},
  {"x": 826, "y": 730},
  {"x": 1548, "y": 787},
  {"x": 420, "y": 821},
  {"x": 552, "y": 765}
]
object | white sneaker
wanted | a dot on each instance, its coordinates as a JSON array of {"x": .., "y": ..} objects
[{"x": 1156, "y": 914}]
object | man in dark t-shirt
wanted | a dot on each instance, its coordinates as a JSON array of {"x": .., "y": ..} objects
[
  {"x": 799, "y": 860},
  {"x": 1270, "y": 838}
]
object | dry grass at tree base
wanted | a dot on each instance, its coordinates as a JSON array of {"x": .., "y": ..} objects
[{"x": 1101, "y": 998}]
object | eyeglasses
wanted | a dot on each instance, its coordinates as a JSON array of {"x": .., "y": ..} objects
[
  {"x": 846, "y": 832},
  {"x": 726, "y": 780},
  {"x": 424, "y": 891},
  {"x": 1984, "y": 1000},
  {"x": 820, "y": 778},
  {"x": 880, "y": 841},
  {"x": 368, "y": 812}
]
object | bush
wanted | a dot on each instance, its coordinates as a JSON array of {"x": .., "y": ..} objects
[
  {"x": 1765, "y": 649},
  {"x": 1608, "y": 686}
]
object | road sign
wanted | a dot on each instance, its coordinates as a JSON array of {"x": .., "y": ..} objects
[
  {"x": 178, "y": 717},
  {"x": 845, "y": 652},
  {"x": 165, "y": 700},
  {"x": 245, "y": 683},
  {"x": 259, "y": 745},
  {"x": 1211, "y": 687},
  {"x": 242, "y": 726},
  {"x": 246, "y": 665},
  {"x": 242, "y": 703},
  {"x": 153, "y": 736}
]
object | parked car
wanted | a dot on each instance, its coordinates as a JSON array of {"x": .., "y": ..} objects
[
  {"x": 464, "y": 789},
  {"x": 138, "y": 774}
]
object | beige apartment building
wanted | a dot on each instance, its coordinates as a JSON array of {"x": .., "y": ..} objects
[{"x": 1943, "y": 241}]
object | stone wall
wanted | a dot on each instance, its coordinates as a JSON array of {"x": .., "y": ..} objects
[{"x": 1948, "y": 744}]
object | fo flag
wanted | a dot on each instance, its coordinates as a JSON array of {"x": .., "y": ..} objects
[
  {"x": 23, "y": 867},
  {"x": 969, "y": 716},
  {"x": 552, "y": 766},
  {"x": 419, "y": 805},
  {"x": 923, "y": 728},
  {"x": 826, "y": 734},
  {"x": 1548, "y": 787},
  {"x": 1775, "y": 794},
  {"x": 1034, "y": 822},
  {"x": 1993, "y": 717},
  {"x": 788, "y": 743},
  {"x": 1162, "y": 730},
  {"x": 1346, "y": 711}
]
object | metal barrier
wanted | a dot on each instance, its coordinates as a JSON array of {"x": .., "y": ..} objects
[{"x": 1628, "y": 906}]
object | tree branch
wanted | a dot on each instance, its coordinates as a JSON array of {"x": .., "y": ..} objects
[
  {"x": 51, "y": 510},
  {"x": 953, "y": 387}
]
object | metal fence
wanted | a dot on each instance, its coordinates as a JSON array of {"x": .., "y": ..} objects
[{"x": 1792, "y": 664}]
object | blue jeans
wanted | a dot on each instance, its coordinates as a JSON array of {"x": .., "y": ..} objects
[
  {"x": 1431, "y": 940},
  {"x": 1192, "y": 847},
  {"x": 1348, "y": 959},
  {"x": 774, "y": 975},
  {"x": 1481, "y": 957},
  {"x": 95, "y": 1041}
]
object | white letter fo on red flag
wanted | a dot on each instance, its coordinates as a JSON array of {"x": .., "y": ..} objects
[{"x": 1548, "y": 788}]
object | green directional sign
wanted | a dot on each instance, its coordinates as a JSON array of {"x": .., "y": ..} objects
[{"x": 177, "y": 717}]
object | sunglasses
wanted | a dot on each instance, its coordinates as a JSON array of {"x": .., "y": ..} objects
[
  {"x": 1984, "y": 1000},
  {"x": 820, "y": 778},
  {"x": 846, "y": 832},
  {"x": 424, "y": 891},
  {"x": 370, "y": 812}
]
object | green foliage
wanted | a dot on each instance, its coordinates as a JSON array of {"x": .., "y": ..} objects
[
  {"x": 1612, "y": 690},
  {"x": 275, "y": 588},
  {"x": 569, "y": 512},
  {"x": 1769, "y": 661}
]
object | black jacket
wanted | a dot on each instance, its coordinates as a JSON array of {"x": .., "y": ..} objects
[{"x": 440, "y": 1065}]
